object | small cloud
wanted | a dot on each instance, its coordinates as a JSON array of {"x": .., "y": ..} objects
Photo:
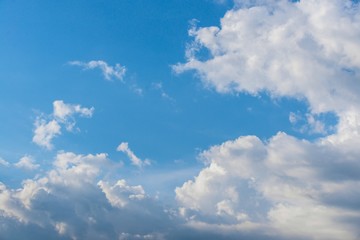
[
  {"x": 159, "y": 87},
  {"x": 124, "y": 147},
  {"x": 315, "y": 125},
  {"x": 108, "y": 71},
  {"x": 294, "y": 117},
  {"x": 63, "y": 111},
  {"x": 46, "y": 129},
  {"x": 309, "y": 123},
  {"x": 4, "y": 163},
  {"x": 136, "y": 89},
  {"x": 27, "y": 162}
]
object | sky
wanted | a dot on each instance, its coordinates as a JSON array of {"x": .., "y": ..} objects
[{"x": 207, "y": 119}]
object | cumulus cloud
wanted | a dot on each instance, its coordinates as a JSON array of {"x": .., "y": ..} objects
[
  {"x": 47, "y": 128},
  {"x": 63, "y": 111},
  {"x": 115, "y": 194},
  {"x": 279, "y": 188},
  {"x": 74, "y": 200},
  {"x": 27, "y": 162},
  {"x": 108, "y": 71},
  {"x": 306, "y": 49},
  {"x": 124, "y": 147},
  {"x": 283, "y": 187}
]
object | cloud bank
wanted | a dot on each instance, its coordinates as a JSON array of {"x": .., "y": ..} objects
[{"x": 74, "y": 200}]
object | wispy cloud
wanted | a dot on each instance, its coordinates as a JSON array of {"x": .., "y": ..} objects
[
  {"x": 109, "y": 72},
  {"x": 3, "y": 162},
  {"x": 159, "y": 87},
  {"x": 124, "y": 147},
  {"x": 310, "y": 123}
]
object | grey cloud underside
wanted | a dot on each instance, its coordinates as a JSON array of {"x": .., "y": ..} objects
[
  {"x": 70, "y": 202},
  {"x": 275, "y": 187}
]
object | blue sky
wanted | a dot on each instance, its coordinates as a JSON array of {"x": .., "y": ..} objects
[{"x": 194, "y": 111}]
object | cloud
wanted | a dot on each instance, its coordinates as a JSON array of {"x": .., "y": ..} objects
[
  {"x": 27, "y": 162},
  {"x": 310, "y": 123},
  {"x": 119, "y": 193},
  {"x": 4, "y": 163},
  {"x": 80, "y": 197},
  {"x": 159, "y": 86},
  {"x": 275, "y": 188},
  {"x": 63, "y": 111},
  {"x": 63, "y": 114},
  {"x": 282, "y": 187},
  {"x": 124, "y": 147},
  {"x": 278, "y": 188},
  {"x": 306, "y": 49},
  {"x": 45, "y": 131},
  {"x": 108, "y": 71}
]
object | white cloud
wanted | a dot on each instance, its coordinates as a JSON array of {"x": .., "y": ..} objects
[
  {"x": 27, "y": 162},
  {"x": 108, "y": 71},
  {"x": 285, "y": 187},
  {"x": 63, "y": 114},
  {"x": 77, "y": 199},
  {"x": 45, "y": 131},
  {"x": 120, "y": 193},
  {"x": 124, "y": 147},
  {"x": 307, "y": 49},
  {"x": 282, "y": 187},
  {"x": 3, "y": 162},
  {"x": 310, "y": 123},
  {"x": 63, "y": 111}
]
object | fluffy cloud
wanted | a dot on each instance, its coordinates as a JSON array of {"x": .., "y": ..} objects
[
  {"x": 27, "y": 162},
  {"x": 108, "y": 71},
  {"x": 45, "y": 131},
  {"x": 283, "y": 187},
  {"x": 124, "y": 147},
  {"x": 63, "y": 111},
  {"x": 63, "y": 114},
  {"x": 74, "y": 200},
  {"x": 307, "y": 49}
]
